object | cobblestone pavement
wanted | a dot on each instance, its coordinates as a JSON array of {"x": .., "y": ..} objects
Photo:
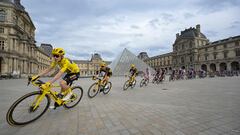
[{"x": 208, "y": 106}]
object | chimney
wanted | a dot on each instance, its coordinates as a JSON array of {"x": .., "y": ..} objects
[
  {"x": 177, "y": 35},
  {"x": 198, "y": 29}
]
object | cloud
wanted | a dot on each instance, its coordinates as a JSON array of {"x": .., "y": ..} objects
[
  {"x": 188, "y": 15},
  {"x": 107, "y": 27}
]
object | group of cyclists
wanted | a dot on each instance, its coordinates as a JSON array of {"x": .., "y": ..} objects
[{"x": 71, "y": 72}]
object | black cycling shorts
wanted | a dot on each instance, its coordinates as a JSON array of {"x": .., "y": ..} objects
[
  {"x": 70, "y": 77},
  {"x": 109, "y": 74}
]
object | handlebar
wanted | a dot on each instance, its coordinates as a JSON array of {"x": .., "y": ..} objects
[
  {"x": 96, "y": 77},
  {"x": 36, "y": 82}
]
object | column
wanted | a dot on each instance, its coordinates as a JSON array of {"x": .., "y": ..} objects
[{"x": 229, "y": 66}]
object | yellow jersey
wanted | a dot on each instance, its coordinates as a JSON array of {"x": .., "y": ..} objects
[{"x": 66, "y": 66}]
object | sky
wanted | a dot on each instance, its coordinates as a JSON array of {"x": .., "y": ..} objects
[{"x": 84, "y": 27}]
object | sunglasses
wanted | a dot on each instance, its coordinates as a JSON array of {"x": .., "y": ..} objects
[{"x": 55, "y": 56}]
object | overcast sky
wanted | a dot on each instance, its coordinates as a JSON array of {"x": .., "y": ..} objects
[{"x": 83, "y": 27}]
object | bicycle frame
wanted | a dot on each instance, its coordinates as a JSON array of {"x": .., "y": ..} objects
[
  {"x": 99, "y": 81},
  {"x": 51, "y": 93}
]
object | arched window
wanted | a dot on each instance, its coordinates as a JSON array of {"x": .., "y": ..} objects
[{"x": 2, "y": 15}]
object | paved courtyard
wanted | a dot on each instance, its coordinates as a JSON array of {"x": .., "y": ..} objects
[{"x": 208, "y": 106}]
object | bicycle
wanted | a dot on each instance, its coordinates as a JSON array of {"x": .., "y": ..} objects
[
  {"x": 128, "y": 83},
  {"x": 37, "y": 103},
  {"x": 97, "y": 87},
  {"x": 144, "y": 81}
]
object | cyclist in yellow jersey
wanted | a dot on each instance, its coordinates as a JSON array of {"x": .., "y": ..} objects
[
  {"x": 133, "y": 72},
  {"x": 67, "y": 66},
  {"x": 106, "y": 71}
]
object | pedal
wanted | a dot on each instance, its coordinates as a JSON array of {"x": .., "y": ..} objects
[
  {"x": 56, "y": 105},
  {"x": 59, "y": 95}
]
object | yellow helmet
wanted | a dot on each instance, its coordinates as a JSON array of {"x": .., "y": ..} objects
[
  {"x": 103, "y": 64},
  {"x": 132, "y": 65},
  {"x": 58, "y": 51}
]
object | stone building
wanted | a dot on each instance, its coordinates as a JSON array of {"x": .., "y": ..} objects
[
  {"x": 192, "y": 49},
  {"x": 143, "y": 55},
  {"x": 47, "y": 48},
  {"x": 160, "y": 61},
  {"x": 18, "y": 51},
  {"x": 90, "y": 67}
]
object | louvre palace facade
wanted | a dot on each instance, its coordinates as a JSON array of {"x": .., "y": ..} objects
[
  {"x": 18, "y": 51},
  {"x": 192, "y": 49}
]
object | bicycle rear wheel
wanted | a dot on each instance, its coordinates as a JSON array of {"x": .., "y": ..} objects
[
  {"x": 107, "y": 88},
  {"x": 93, "y": 90},
  {"x": 75, "y": 98},
  {"x": 22, "y": 111}
]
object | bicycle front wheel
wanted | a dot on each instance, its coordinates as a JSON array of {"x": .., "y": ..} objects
[
  {"x": 107, "y": 88},
  {"x": 142, "y": 82},
  {"x": 126, "y": 85},
  {"x": 22, "y": 111},
  {"x": 75, "y": 98},
  {"x": 93, "y": 90}
]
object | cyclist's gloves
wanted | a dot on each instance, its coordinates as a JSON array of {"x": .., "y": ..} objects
[
  {"x": 46, "y": 85},
  {"x": 34, "y": 78}
]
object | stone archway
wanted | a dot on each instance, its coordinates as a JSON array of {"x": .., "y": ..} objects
[
  {"x": 213, "y": 67},
  {"x": 223, "y": 66},
  {"x": 204, "y": 67},
  {"x": 235, "y": 66}
]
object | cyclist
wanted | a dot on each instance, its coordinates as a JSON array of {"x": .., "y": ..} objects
[
  {"x": 70, "y": 69},
  {"x": 147, "y": 74},
  {"x": 157, "y": 75},
  {"x": 133, "y": 73},
  {"x": 162, "y": 75},
  {"x": 105, "y": 72}
]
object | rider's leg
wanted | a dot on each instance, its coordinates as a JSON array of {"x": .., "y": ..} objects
[
  {"x": 64, "y": 87},
  {"x": 133, "y": 78},
  {"x": 104, "y": 80}
]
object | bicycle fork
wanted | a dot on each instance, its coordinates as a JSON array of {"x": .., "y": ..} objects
[{"x": 38, "y": 100}]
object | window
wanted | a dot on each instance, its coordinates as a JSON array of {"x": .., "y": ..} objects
[
  {"x": 190, "y": 44},
  {"x": 2, "y": 15},
  {"x": 182, "y": 60},
  {"x": 191, "y": 59},
  {"x": 206, "y": 49},
  {"x": 236, "y": 43},
  {"x": 224, "y": 46},
  {"x": 215, "y": 56},
  {"x": 237, "y": 52},
  {"x": 1, "y": 30},
  {"x": 206, "y": 56},
  {"x": 1, "y": 45},
  {"x": 225, "y": 55}
]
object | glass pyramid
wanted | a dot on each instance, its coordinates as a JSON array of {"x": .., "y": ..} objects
[{"x": 121, "y": 65}]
